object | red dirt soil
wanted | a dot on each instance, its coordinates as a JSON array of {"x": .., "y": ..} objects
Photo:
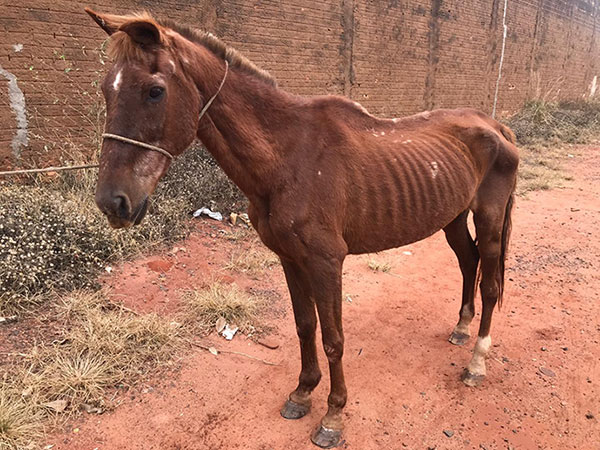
[{"x": 402, "y": 374}]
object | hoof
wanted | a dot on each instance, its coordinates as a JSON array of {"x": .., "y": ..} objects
[
  {"x": 326, "y": 437},
  {"x": 458, "y": 338},
  {"x": 471, "y": 379},
  {"x": 292, "y": 410}
]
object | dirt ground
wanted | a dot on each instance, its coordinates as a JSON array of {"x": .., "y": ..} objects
[{"x": 542, "y": 389}]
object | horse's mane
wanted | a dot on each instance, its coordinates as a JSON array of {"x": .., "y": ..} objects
[
  {"x": 122, "y": 47},
  {"x": 219, "y": 48}
]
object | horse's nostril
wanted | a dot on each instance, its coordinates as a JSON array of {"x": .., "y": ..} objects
[{"x": 121, "y": 206}]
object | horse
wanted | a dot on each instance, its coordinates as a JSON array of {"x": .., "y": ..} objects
[{"x": 323, "y": 177}]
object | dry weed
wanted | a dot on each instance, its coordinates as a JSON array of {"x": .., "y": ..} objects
[
  {"x": 237, "y": 234},
  {"x": 552, "y": 123},
  {"x": 20, "y": 418},
  {"x": 102, "y": 347},
  {"x": 540, "y": 168},
  {"x": 379, "y": 266},
  {"x": 545, "y": 131},
  {"x": 251, "y": 260},
  {"x": 203, "y": 307}
]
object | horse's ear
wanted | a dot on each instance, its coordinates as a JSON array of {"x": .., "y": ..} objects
[
  {"x": 144, "y": 32},
  {"x": 108, "y": 22}
]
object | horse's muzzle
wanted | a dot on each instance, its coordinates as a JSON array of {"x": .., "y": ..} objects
[{"x": 119, "y": 212}]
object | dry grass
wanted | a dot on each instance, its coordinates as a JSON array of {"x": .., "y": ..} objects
[
  {"x": 552, "y": 123},
  {"x": 540, "y": 168},
  {"x": 240, "y": 233},
  {"x": 102, "y": 347},
  {"x": 203, "y": 307},
  {"x": 545, "y": 132},
  {"x": 379, "y": 266},
  {"x": 20, "y": 418},
  {"x": 251, "y": 260}
]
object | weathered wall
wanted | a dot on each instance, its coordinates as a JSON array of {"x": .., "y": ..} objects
[{"x": 394, "y": 56}]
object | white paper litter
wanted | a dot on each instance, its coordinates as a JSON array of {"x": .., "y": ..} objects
[
  {"x": 212, "y": 214},
  {"x": 407, "y": 252},
  {"x": 229, "y": 332},
  {"x": 8, "y": 319}
]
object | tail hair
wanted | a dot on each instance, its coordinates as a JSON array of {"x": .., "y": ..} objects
[
  {"x": 508, "y": 134},
  {"x": 506, "y": 229}
]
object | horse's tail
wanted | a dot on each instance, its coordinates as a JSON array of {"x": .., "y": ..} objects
[
  {"x": 506, "y": 229},
  {"x": 507, "y": 133}
]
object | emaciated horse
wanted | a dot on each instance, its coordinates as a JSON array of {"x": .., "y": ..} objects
[{"x": 324, "y": 178}]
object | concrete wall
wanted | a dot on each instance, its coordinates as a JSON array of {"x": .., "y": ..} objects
[{"x": 396, "y": 57}]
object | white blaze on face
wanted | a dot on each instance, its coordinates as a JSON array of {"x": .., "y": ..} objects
[{"x": 117, "y": 81}]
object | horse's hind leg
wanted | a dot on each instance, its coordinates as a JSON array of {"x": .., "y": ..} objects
[
  {"x": 460, "y": 240},
  {"x": 492, "y": 221}
]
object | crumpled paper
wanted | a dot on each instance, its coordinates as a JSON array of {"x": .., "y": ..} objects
[
  {"x": 229, "y": 332},
  {"x": 206, "y": 211}
]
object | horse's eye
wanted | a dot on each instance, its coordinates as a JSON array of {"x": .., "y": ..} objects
[{"x": 156, "y": 93}]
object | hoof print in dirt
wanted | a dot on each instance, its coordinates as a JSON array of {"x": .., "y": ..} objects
[{"x": 326, "y": 437}]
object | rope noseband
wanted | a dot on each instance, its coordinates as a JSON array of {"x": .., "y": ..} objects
[
  {"x": 162, "y": 151},
  {"x": 117, "y": 137}
]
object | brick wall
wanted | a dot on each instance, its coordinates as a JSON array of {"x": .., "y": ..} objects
[{"x": 396, "y": 57}]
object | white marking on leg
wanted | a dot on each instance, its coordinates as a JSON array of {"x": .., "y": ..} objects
[
  {"x": 117, "y": 81},
  {"x": 482, "y": 347}
]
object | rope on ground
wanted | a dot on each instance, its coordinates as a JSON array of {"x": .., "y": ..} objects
[{"x": 48, "y": 169}]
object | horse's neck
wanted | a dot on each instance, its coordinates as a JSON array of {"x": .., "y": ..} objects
[{"x": 243, "y": 130}]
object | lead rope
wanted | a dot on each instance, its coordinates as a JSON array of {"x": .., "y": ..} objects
[{"x": 160, "y": 150}]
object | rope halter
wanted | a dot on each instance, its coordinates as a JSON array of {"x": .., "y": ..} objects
[{"x": 162, "y": 151}]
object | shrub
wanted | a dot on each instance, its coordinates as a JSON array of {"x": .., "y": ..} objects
[
  {"x": 575, "y": 122},
  {"x": 52, "y": 236}
]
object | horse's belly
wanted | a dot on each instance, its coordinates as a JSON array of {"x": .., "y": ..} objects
[
  {"x": 385, "y": 235},
  {"x": 395, "y": 213}
]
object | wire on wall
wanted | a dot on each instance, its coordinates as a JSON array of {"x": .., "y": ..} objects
[{"x": 501, "y": 58}]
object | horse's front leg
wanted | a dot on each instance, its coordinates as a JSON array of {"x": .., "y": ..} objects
[
  {"x": 298, "y": 403},
  {"x": 326, "y": 282}
]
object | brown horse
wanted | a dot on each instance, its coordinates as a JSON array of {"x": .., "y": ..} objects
[{"x": 324, "y": 178}]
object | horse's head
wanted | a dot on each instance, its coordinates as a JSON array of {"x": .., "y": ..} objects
[{"x": 150, "y": 99}]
